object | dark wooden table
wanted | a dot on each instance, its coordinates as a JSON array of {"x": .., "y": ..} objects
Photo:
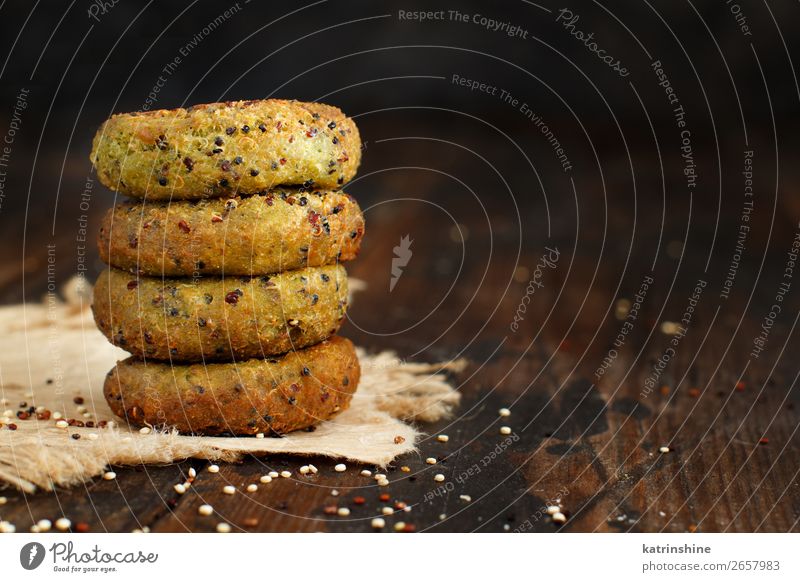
[{"x": 593, "y": 442}]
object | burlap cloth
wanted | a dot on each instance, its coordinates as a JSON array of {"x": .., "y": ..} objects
[{"x": 52, "y": 352}]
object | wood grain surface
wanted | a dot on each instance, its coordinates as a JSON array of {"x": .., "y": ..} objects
[{"x": 591, "y": 443}]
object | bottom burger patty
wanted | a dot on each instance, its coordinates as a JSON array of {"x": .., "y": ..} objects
[{"x": 276, "y": 395}]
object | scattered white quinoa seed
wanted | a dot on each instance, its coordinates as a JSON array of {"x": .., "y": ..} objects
[
  {"x": 442, "y": 438},
  {"x": 438, "y": 477},
  {"x": 504, "y": 412},
  {"x": 378, "y": 523},
  {"x": 109, "y": 475},
  {"x": 205, "y": 509},
  {"x": 180, "y": 489},
  {"x": 144, "y": 430},
  {"x": 265, "y": 479},
  {"x": 229, "y": 490},
  {"x": 430, "y": 461},
  {"x": 223, "y": 527},
  {"x": 252, "y": 488},
  {"x": 505, "y": 430},
  {"x": 366, "y": 473},
  {"x": 63, "y": 524},
  {"x": 664, "y": 450},
  {"x": 213, "y": 468},
  {"x": 286, "y": 474},
  {"x": 340, "y": 468},
  {"x": 343, "y": 512}
]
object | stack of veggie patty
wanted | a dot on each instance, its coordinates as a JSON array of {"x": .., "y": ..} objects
[{"x": 225, "y": 278}]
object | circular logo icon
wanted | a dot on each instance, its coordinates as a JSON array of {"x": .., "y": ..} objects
[{"x": 31, "y": 555}]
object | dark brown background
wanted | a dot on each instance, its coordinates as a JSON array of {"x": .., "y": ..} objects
[{"x": 438, "y": 156}]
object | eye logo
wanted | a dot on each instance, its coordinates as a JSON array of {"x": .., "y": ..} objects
[
  {"x": 402, "y": 254},
  {"x": 31, "y": 555}
]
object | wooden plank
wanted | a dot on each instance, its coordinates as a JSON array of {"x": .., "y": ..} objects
[
  {"x": 137, "y": 498},
  {"x": 592, "y": 444}
]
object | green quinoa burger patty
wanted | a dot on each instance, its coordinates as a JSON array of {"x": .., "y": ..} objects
[
  {"x": 291, "y": 392},
  {"x": 220, "y": 318},
  {"x": 223, "y": 149},
  {"x": 265, "y": 233}
]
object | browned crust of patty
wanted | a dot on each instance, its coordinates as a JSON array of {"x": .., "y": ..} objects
[
  {"x": 278, "y": 395},
  {"x": 223, "y": 149},
  {"x": 266, "y": 233},
  {"x": 220, "y": 318}
]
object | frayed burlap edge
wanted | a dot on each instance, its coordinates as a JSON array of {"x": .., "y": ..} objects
[{"x": 40, "y": 342}]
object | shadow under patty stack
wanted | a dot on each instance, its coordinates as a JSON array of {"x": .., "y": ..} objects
[{"x": 225, "y": 280}]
